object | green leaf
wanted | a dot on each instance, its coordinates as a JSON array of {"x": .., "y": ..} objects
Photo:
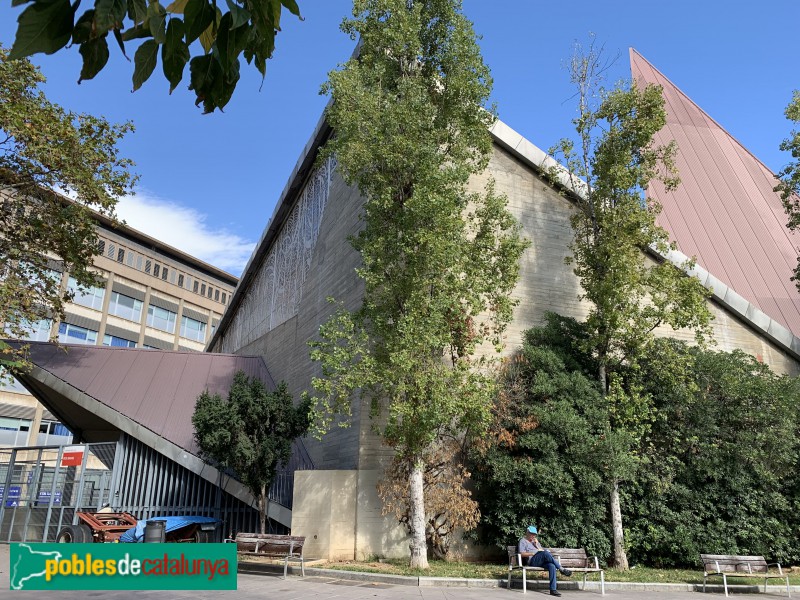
[
  {"x": 211, "y": 85},
  {"x": 120, "y": 42},
  {"x": 43, "y": 27},
  {"x": 144, "y": 62},
  {"x": 95, "y": 57},
  {"x": 177, "y": 7},
  {"x": 203, "y": 73},
  {"x": 240, "y": 15},
  {"x": 174, "y": 54},
  {"x": 199, "y": 15},
  {"x": 83, "y": 28},
  {"x": 207, "y": 38},
  {"x": 137, "y": 11},
  {"x": 109, "y": 14},
  {"x": 292, "y": 6},
  {"x": 135, "y": 33},
  {"x": 156, "y": 20},
  {"x": 230, "y": 41}
]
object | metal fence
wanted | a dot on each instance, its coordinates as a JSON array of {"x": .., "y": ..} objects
[{"x": 42, "y": 487}]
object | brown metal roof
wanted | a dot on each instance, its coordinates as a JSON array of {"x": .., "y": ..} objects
[
  {"x": 154, "y": 388},
  {"x": 725, "y": 212}
]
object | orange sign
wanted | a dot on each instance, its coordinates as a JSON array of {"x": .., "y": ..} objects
[{"x": 72, "y": 459}]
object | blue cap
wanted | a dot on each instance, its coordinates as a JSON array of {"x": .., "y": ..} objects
[{"x": 532, "y": 529}]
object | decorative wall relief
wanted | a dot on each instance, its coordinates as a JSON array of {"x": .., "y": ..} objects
[{"x": 276, "y": 291}]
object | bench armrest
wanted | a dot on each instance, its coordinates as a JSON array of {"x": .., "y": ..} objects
[
  {"x": 228, "y": 541},
  {"x": 780, "y": 570}
]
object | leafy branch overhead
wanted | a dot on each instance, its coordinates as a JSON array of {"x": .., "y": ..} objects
[{"x": 248, "y": 28}]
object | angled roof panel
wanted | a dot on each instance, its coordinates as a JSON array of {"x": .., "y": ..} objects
[
  {"x": 155, "y": 389},
  {"x": 725, "y": 212}
]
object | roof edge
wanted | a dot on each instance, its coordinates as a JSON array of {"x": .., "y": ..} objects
[
  {"x": 632, "y": 51},
  {"x": 541, "y": 162}
]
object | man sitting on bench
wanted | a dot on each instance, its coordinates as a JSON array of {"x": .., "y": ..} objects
[{"x": 534, "y": 555}]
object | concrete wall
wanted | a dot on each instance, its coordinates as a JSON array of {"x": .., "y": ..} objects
[{"x": 337, "y": 507}]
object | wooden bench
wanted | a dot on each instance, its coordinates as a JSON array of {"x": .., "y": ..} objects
[
  {"x": 287, "y": 547},
  {"x": 731, "y": 565},
  {"x": 574, "y": 559}
]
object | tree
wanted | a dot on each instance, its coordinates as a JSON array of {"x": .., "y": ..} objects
[
  {"x": 614, "y": 225},
  {"x": 43, "y": 149},
  {"x": 448, "y": 504},
  {"x": 438, "y": 262},
  {"x": 544, "y": 460},
  {"x": 789, "y": 186},
  {"x": 721, "y": 457},
  {"x": 250, "y": 433},
  {"x": 718, "y": 460},
  {"x": 248, "y": 28}
]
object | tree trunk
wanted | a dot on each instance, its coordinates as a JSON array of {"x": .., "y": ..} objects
[
  {"x": 620, "y": 556},
  {"x": 262, "y": 509},
  {"x": 419, "y": 550}
]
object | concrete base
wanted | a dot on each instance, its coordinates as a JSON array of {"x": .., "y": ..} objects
[{"x": 339, "y": 513}]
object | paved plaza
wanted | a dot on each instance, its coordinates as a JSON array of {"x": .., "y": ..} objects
[{"x": 272, "y": 586}]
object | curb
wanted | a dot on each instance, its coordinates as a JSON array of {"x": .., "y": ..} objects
[{"x": 252, "y": 568}]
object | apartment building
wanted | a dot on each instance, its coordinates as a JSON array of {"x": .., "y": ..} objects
[{"x": 151, "y": 296}]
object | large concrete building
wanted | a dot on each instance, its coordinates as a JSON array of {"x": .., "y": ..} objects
[
  {"x": 153, "y": 296},
  {"x": 304, "y": 257}
]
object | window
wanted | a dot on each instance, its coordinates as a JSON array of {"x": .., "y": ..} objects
[
  {"x": 101, "y": 247},
  {"x": 112, "y": 340},
  {"x": 193, "y": 329},
  {"x": 147, "y": 265},
  {"x": 129, "y": 262},
  {"x": 203, "y": 290},
  {"x": 224, "y": 297},
  {"x": 111, "y": 251},
  {"x": 121, "y": 255},
  {"x": 91, "y": 297},
  {"x": 38, "y": 331},
  {"x": 126, "y": 307},
  {"x": 210, "y": 291},
  {"x": 72, "y": 334},
  {"x": 161, "y": 318},
  {"x": 164, "y": 273},
  {"x": 196, "y": 285},
  {"x": 156, "y": 270},
  {"x": 180, "y": 280},
  {"x": 14, "y": 424},
  {"x": 216, "y": 295},
  {"x": 139, "y": 262}
]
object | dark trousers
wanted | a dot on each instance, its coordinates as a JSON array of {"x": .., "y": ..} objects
[{"x": 544, "y": 559}]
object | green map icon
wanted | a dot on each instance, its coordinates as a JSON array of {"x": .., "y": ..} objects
[{"x": 28, "y": 564}]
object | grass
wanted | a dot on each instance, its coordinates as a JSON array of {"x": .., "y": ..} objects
[{"x": 440, "y": 568}]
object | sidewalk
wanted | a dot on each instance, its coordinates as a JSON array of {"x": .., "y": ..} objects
[{"x": 323, "y": 584}]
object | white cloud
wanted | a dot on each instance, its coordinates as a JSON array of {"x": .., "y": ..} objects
[{"x": 186, "y": 229}]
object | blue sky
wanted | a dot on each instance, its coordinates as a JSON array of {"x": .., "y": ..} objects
[{"x": 209, "y": 183}]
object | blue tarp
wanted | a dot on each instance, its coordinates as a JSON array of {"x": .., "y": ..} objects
[{"x": 136, "y": 534}]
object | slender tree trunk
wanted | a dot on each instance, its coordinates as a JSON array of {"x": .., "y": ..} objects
[
  {"x": 620, "y": 556},
  {"x": 262, "y": 509},
  {"x": 419, "y": 550}
]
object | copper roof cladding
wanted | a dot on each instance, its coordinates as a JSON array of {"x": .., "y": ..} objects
[
  {"x": 154, "y": 388},
  {"x": 725, "y": 212}
]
